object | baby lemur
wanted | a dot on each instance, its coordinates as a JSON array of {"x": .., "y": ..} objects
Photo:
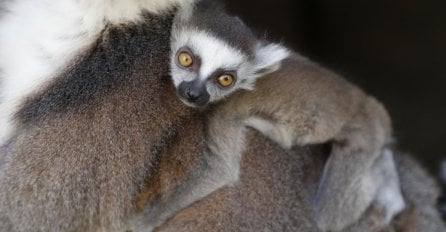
[{"x": 218, "y": 62}]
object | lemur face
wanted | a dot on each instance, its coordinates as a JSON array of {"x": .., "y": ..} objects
[{"x": 206, "y": 69}]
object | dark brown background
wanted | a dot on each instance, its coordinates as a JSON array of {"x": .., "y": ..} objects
[{"x": 394, "y": 49}]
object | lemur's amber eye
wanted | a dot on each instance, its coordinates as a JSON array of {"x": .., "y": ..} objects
[
  {"x": 185, "y": 59},
  {"x": 225, "y": 80}
]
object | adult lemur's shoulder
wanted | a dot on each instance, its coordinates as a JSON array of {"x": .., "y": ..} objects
[
  {"x": 82, "y": 91},
  {"x": 41, "y": 39}
]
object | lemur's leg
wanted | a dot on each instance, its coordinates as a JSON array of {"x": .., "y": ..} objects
[
  {"x": 347, "y": 188},
  {"x": 388, "y": 201},
  {"x": 277, "y": 132}
]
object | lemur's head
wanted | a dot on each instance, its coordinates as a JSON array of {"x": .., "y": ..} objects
[{"x": 214, "y": 54}]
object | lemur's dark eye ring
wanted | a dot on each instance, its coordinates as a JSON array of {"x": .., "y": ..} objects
[
  {"x": 225, "y": 80},
  {"x": 185, "y": 59}
]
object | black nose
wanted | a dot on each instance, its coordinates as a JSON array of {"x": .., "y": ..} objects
[{"x": 194, "y": 92}]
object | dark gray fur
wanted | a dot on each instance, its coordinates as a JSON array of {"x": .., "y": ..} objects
[
  {"x": 106, "y": 66},
  {"x": 211, "y": 17}
]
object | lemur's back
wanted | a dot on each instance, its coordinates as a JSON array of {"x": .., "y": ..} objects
[{"x": 298, "y": 85}]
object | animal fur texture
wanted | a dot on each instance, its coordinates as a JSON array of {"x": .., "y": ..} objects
[
  {"x": 298, "y": 103},
  {"x": 291, "y": 178},
  {"x": 101, "y": 140}
]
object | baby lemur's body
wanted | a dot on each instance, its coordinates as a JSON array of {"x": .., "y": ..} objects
[
  {"x": 246, "y": 81},
  {"x": 288, "y": 107}
]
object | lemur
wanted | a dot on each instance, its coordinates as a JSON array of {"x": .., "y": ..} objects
[
  {"x": 92, "y": 132},
  {"x": 219, "y": 64}
]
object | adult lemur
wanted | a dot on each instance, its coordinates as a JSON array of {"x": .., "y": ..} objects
[
  {"x": 295, "y": 102},
  {"x": 95, "y": 138}
]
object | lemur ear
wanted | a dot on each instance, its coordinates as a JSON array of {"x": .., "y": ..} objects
[{"x": 268, "y": 58}]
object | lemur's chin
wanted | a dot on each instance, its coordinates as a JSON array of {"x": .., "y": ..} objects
[{"x": 194, "y": 104}]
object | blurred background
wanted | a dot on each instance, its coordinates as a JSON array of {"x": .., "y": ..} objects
[{"x": 394, "y": 49}]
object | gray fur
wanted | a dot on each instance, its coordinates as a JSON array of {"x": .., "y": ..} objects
[
  {"x": 311, "y": 105},
  {"x": 210, "y": 16},
  {"x": 276, "y": 187},
  {"x": 109, "y": 144},
  {"x": 219, "y": 166}
]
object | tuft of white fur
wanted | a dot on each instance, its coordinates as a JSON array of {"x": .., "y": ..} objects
[
  {"x": 38, "y": 38},
  {"x": 269, "y": 57},
  {"x": 389, "y": 194}
]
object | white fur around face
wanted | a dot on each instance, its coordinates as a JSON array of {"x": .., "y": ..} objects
[
  {"x": 214, "y": 54},
  {"x": 38, "y": 38}
]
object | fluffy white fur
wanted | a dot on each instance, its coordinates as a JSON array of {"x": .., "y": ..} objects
[
  {"x": 389, "y": 194},
  {"x": 269, "y": 57},
  {"x": 38, "y": 38},
  {"x": 214, "y": 53},
  {"x": 217, "y": 54}
]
